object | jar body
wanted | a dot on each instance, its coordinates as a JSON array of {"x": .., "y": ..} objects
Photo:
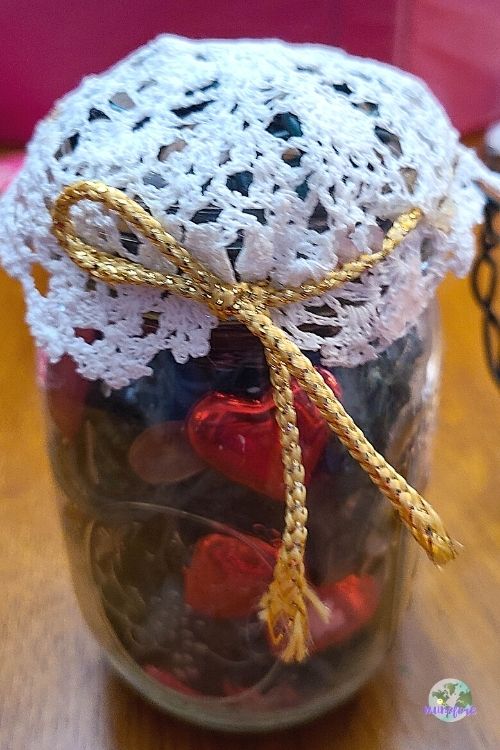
[{"x": 171, "y": 500}]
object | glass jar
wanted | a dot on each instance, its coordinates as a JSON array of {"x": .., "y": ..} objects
[{"x": 172, "y": 507}]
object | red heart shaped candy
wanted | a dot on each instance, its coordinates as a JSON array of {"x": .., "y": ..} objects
[
  {"x": 240, "y": 437},
  {"x": 352, "y": 603},
  {"x": 65, "y": 391},
  {"x": 228, "y": 575},
  {"x": 169, "y": 680}
]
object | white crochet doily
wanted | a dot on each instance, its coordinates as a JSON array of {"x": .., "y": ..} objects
[{"x": 267, "y": 161}]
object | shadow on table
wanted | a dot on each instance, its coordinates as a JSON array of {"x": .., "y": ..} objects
[
  {"x": 136, "y": 725},
  {"x": 386, "y": 714}
]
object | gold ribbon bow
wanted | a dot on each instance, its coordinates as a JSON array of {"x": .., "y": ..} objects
[{"x": 284, "y": 606}]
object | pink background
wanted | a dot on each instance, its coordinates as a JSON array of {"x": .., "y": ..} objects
[
  {"x": 455, "y": 46},
  {"x": 9, "y": 164},
  {"x": 47, "y": 45}
]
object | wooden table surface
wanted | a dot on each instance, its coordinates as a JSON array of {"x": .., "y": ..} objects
[{"x": 56, "y": 691}]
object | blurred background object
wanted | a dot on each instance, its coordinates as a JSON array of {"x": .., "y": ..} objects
[
  {"x": 491, "y": 150},
  {"x": 486, "y": 268},
  {"x": 484, "y": 276}
]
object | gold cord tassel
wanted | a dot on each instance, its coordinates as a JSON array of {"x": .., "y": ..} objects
[{"x": 284, "y": 606}]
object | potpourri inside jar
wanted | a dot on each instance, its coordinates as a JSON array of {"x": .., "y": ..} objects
[{"x": 172, "y": 502}]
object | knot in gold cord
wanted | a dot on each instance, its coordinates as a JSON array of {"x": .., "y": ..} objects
[{"x": 284, "y": 606}]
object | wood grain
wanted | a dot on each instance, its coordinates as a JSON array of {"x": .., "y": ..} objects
[{"x": 56, "y": 692}]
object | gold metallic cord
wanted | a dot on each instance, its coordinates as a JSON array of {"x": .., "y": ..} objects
[{"x": 284, "y": 606}]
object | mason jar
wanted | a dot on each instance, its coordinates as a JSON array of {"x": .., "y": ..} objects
[
  {"x": 172, "y": 507},
  {"x": 200, "y": 197}
]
